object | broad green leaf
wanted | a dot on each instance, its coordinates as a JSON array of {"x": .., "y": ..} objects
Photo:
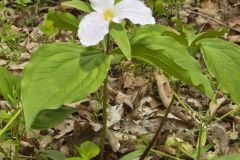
[
  {"x": 177, "y": 36},
  {"x": 88, "y": 150},
  {"x": 120, "y": 36},
  {"x": 190, "y": 35},
  {"x": 77, "y": 4},
  {"x": 149, "y": 30},
  {"x": 62, "y": 20},
  {"x": 167, "y": 54},
  {"x": 52, "y": 154},
  {"x": 9, "y": 86},
  {"x": 51, "y": 117},
  {"x": 228, "y": 157},
  {"x": 223, "y": 61},
  {"x": 192, "y": 38},
  {"x": 210, "y": 34},
  {"x": 133, "y": 155},
  {"x": 61, "y": 73}
]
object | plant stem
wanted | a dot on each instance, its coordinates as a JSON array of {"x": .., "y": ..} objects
[
  {"x": 11, "y": 122},
  {"x": 227, "y": 114},
  {"x": 105, "y": 105},
  {"x": 150, "y": 145},
  {"x": 199, "y": 143},
  {"x": 104, "y": 127}
]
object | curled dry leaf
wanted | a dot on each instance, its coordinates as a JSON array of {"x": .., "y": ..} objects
[
  {"x": 130, "y": 81},
  {"x": 123, "y": 98},
  {"x": 213, "y": 106},
  {"x": 113, "y": 140},
  {"x": 115, "y": 114},
  {"x": 221, "y": 136},
  {"x": 44, "y": 141},
  {"x": 64, "y": 128},
  {"x": 164, "y": 89}
]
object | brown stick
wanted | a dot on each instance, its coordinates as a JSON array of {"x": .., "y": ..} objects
[
  {"x": 166, "y": 95},
  {"x": 158, "y": 131}
]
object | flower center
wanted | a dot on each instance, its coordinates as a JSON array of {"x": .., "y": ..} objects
[{"x": 108, "y": 14}]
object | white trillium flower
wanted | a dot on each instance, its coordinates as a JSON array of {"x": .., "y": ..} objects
[{"x": 95, "y": 26}]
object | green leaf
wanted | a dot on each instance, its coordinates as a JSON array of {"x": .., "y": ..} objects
[
  {"x": 48, "y": 27},
  {"x": 190, "y": 35},
  {"x": 75, "y": 158},
  {"x": 192, "y": 38},
  {"x": 167, "y": 54},
  {"x": 80, "y": 5},
  {"x": 88, "y": 150},
  {"x": 9, "y": 86},
  {"x": 133, "y": 155},
  {"x": 223, "y": 61},
  {"x": 228, "y": 157},
  {"x": 210, "y": 34},
  {"x": 51, "y": 117},
  {"x": 116, "y": 56},
  {"x": 61, "y": 73},
  {"x": 120, "y": 36},
  {"x": 65, "y": 21},
  {"x": 23, "y": 2},
  {"x": 149, "y": 30},
  {"x": 52, "y": 154}
]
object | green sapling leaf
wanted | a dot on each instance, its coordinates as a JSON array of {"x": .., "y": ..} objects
[{"x": 88, "y": 150}]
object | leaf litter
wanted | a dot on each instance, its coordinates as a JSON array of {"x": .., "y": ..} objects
[{"x": 137, "y": 104}]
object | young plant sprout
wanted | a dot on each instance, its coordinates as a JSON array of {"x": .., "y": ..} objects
[{"x": 95, "y": 25}]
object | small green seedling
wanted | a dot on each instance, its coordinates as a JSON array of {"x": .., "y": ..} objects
[{"x": 87, "y": 151}]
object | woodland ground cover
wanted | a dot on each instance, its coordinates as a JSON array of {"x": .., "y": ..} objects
[{"x": 119, "y": 79}]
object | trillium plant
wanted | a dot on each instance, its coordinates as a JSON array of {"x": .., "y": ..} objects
[{"x": 111, "y": 32}]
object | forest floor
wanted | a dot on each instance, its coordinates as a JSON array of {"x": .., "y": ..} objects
[{"x": 137, "y": 92}]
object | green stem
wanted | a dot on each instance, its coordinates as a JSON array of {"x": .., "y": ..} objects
[
  {"x": 105, "y": 105},
  {"x": 11, "y": 122},
  {"x": 159, "y": 153},
  {"x": 181, "y": 102},
  {"x": 199, "y": 143},
  {"x": 227, "y": 114}
]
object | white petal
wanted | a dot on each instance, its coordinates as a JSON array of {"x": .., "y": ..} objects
[
  {"x": 100, "y": 5},
  {"x": 92, "y": 29},
  {"x": 134, "y": 10}
]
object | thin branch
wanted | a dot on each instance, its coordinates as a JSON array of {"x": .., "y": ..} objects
[
  {"x": 158, "y": 130},
  {"x": 212, "y": 19}
]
